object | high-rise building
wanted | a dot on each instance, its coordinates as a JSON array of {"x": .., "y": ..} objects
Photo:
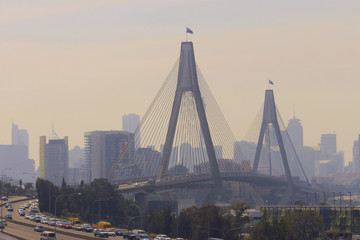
[
  {"x": 103, "y": 149},
  {"x": 356, "y": 156},
  {"x": 295, "y": 131},
  {"x": 19, "y": 137},
  {"x": 130, "y": 123},
  {"x": 54, "y": 160},
  {"x": 328, "y": 145},
  {"x": 15, "y": 157}
]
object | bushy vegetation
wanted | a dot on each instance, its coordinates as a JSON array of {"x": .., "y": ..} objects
[
  {"x": 302, "y": 225},
  {"x": 92, "y": 202},
  {"x": 199, "y": 222}
]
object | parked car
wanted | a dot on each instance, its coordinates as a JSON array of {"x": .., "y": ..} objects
[
  {"x": 39, "y": 228},
  {"x": 100, "y": 233}
]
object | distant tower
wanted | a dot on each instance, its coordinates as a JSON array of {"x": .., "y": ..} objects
[
  {"x": 102, "y": 150},
  {"x": 328, "y": 145},
  {"x": 20, "y": 137},
  {"x": 295, "y": 131},
  {"x": 356, "y": 156},
  {"x": 130, "y": 123},
  {"x": 54, "y": 160}
]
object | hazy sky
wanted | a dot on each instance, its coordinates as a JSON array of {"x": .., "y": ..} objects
[{"x": 83, "y": 64}]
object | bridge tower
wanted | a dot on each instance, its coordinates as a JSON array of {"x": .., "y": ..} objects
[
  {"x": 188, "y": 82},
  {"x": 270, "y": 117}
]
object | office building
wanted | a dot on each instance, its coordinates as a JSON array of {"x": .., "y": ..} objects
[
  {"x": 15, "y": 157},
  {"x": 130, "y": 123},
  {"x": 19, "y": 137},
  {"x": 328, "y": 145},
  {"x": 356, "y": 156},
  {"x": 102, "y": 150},
  {"x": 54, "y": 160},
  {"x": 295, "y": 131}
]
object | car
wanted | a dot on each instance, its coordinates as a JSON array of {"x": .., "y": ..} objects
[
  {"x": 131, "y": 235},
  {"x": 39, "y": 228},
  {"x": 66, "y": 225},
  {"x": 100, "y": 233},
  {"x": 10, "y": 208},
  {"x": 4, "y": 222},
  {"x": 87, "y": 228},
  {"x": 47, "y": 235},
  {"x": 7, "y": 205},
  {"x": 52, "y": 223},
  {"x": 36, "y": 219},
  {"x": 8, "y": 216},
  {"x": 119, "y": 232},
  {"x": 111, "y": 233},
  {"x": 143, "y": 236},
  {"x": 22, "y": 213},
  {"x": 77, "y": 227},
  {"x": 44, "y": 220},
  {"x": 4, "y": 198}
]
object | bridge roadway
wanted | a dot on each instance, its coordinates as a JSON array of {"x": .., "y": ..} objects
[
  {"x": 20, "y": 227},
  {"x": 148, "y": 184}
]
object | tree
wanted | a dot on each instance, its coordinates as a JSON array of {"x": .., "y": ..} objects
[
  {"x": 304, "y": 224},
  {"x": 28, "y": 186}
]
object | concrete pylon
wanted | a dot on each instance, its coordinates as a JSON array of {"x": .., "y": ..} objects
[
  {"x": 270, "y": 117},
  {"x": 188, "y": 82}
]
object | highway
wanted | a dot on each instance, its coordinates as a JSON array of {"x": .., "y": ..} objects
[{"x": 25, "y": 229}]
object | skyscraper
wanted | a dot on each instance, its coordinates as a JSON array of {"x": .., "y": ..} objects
[
  {"x": 102, "y": 150},
  {"x": 328, "y": 145},
  {"x": 54, "y": 160},
  {"x": 130, "y": 123},
  {"x": 20, "y": 137},
  {"x": 356, "y": 156},
  {"x": 295, "y": 131}
]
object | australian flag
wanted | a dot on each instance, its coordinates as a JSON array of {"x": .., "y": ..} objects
[{"x": 188, "y": 30}]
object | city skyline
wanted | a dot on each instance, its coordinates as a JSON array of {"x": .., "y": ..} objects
[{"x": 83, "y": 65}]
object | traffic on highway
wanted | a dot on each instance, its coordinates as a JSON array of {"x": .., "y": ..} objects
[{"x": 35, "y": 225}]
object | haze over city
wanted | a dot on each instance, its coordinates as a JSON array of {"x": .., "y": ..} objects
[{"x": 82, "y": 65}]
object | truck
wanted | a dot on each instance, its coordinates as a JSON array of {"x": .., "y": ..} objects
[
  {"x": 104, "y": 225},
  {"x": 74, "y": 221}
]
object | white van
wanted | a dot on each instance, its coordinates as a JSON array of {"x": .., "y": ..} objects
[{"x": 47, "y": 235}]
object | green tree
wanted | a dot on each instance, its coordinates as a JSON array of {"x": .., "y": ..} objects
[
  {"x": 304, "y": 224},
  {"x": 28, "y": 186}
]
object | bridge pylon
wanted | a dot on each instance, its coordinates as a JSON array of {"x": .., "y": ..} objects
[
  {"x": 270, "y": 117},
  {"x": 188, "y": 82}
]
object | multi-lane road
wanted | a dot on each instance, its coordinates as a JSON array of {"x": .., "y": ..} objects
[{"x": 24, "y": 229}]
